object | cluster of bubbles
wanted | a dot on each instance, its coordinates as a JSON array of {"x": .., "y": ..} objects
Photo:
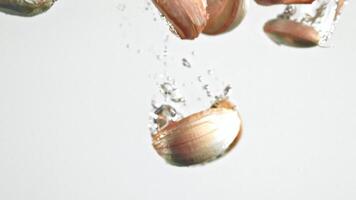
[
  {"x": 181, "y": 89},
  {"x": 184, "y": 95}
]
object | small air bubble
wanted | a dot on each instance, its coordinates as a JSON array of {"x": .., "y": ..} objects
[
  {"x": 200, "y": 79},
  {"x": 206, "y": 88},
  {"x": 186, "y": 63},
  {"x": 121, "y": 7},
  {"x": 227, "y": 90}
]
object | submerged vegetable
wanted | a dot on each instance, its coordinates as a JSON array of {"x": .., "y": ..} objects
[
  {"x": 200, "y": 138},
  {"x": 275, "y": 2},
  {"x": 26, "y": 8},
  {"x": 225, "y": 15},
  {"x": 306, "y": 25},
  {"x": 189, "y": 18}
]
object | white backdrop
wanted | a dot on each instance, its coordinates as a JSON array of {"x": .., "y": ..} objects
[{"x": 75, "y": 96}]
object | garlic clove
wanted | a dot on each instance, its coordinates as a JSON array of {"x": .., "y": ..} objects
[
  {"x": 201, "y": 137},
  {"x": 26, "y": 8},
  {"x": 224, "y": 15},
  {"x": 276, "y": 2},
  {"x": 291, "y": 33},
  {"x": 187, "y": 17},
  {"x": 306, "y": 25}
]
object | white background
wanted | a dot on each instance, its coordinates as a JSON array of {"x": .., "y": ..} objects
[{"x": 75, "y": 96}]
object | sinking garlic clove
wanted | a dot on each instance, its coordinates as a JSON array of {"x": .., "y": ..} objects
[
  {"x": 276, "y": 2},
  {"x": 224, "y": 15},
  {"x": 291, "y": 33},
  {"x": 201, "y": 137},
  {"x": 306, "y": 25},
  {"x": 187, "y": 17},
  {"x": 26, "y": 8}
]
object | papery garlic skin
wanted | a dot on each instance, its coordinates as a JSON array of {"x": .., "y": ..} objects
[
  {"x": 25, "y": 8},
  {"x": 189, "y": 18},
  {"x": 321, "y": 15},
  {"x": 225, "y": 15},
  {"x": 193, "y": 121},
  {"x": 291, "y": 33},
  {"x": 186, "y": 17},
  {"x": 276, "y": 2},
  {"x": 201, "y": 137}
]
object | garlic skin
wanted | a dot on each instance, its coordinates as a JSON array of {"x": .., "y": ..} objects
[
  {"x": 306, "y": 25},
  {"x": 25, "y": 8},
  {"x": 187, "y": 17},
  {"x": 200, "y": 138},
  {"x": 291, "y": 33},
  {"x": 224, "y": 15},
  {"x": 276, "y": 2}
]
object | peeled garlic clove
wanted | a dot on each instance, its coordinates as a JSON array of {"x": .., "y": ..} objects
[
  {"x": 275, "y": 2},
  {"x": 291, "y": 33},
  {"x": 224, "y": 15},
  {"x": 25, "y": 8},
  {"x": 201, "y": 137},
  {"x": 187, "y": 17}
]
